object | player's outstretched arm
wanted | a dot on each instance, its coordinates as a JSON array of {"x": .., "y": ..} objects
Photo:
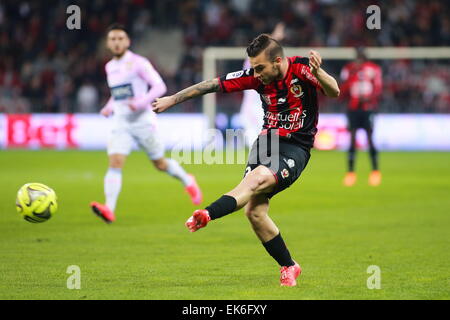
[
  {"x": 328, "y": 83},
  {"x": 199, "y": 89}
]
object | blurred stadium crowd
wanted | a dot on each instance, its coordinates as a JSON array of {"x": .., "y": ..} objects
[{"x": 46, "y": 68}]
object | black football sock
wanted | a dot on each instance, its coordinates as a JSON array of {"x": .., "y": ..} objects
[
  {"x": 278, "y": 250},
  {"x": 351, "y": 159},
  {"x": 221, "y": 207},
  {"x": 374, "y": 158}
]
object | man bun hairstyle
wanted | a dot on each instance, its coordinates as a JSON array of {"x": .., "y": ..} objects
[{"x": 263, "y": 42}]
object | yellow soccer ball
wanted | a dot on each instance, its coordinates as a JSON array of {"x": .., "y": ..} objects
[{"x": 36, "y": 202}]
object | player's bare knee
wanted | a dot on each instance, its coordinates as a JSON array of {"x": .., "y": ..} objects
[
  {"x": 160, "y": 165},
  {"x": 260, "y": 184},
  {"x": 116, "y": 162},
  {"x": 255, "y": 183},
  {"x": 254, "y": 215}
]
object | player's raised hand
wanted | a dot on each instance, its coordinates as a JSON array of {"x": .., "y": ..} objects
[
  {"x": 162, "y": 104},
  {"x": 132, "y": 106},
  {"x": 135, "y": 104},
  {"x": 106, "y": 112},
  {"x": 315, "y": 61}
]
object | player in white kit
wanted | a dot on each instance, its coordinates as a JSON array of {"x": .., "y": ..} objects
[{"x": 129, "y": 77}]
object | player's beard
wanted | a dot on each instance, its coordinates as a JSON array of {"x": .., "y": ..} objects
[
  {"x": 277, "y": 69},
  {"x": 119, "y": 55},
  {"x": 277, "y": 75}
]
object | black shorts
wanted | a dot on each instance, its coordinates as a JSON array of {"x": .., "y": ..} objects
[
  {"x": 360, "y": 119},
  {"x": 286, "y": 163}
]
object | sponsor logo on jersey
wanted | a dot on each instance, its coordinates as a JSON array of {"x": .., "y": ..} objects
[
  {"x": 281, "y": 100},
  {"x": 122, "y": 92},
  {"x": 234, "y": 75},
  {"x": 288, "y": 121},
  {"x": 306, "y": 71}
]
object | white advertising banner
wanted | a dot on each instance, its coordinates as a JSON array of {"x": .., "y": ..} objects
[
  {"x": 391, "y": 132},
  {"x": 189, "y": 131},
  {"x": 89, "y": 131}
]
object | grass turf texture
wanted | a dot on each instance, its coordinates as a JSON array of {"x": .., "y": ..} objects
[{"x": 335, "y": 233}]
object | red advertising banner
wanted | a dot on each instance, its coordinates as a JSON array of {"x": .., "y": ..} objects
[{"x": 22, "y": 131}]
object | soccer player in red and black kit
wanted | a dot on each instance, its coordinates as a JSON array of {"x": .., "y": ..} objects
[
  {"x": 362, "y": 81},
  {"x": 287, "y": 86}
]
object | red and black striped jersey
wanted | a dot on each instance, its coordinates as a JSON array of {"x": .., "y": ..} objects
[
  {"x": 290, "y": 105},
  {"x": 363, "y": 83}
]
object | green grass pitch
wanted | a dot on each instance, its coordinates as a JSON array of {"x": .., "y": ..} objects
[{"x": 335, "y": 233}]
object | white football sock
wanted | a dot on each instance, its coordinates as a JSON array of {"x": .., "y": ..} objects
[
  {"x": 175, "y": 170},
  {"x": 113, "y": 184}
]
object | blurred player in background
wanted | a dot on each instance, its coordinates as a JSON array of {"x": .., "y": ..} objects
[
  {"x": 129, "y": 77},
  {"x": 362, "y": 81},
  {"x": 252, "y": 115},
  {"x": 288, "y": 88}
]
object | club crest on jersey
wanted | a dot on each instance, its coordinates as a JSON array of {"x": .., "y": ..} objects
[
  {"x": 234, "y": 75},
  {"x": 297, "y": 90},
  {"x": 290, "y": 162},
  {"x": 285, "y": 173}
]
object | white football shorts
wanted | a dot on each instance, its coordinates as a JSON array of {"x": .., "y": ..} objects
[{"x": 123, "y": 138}]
